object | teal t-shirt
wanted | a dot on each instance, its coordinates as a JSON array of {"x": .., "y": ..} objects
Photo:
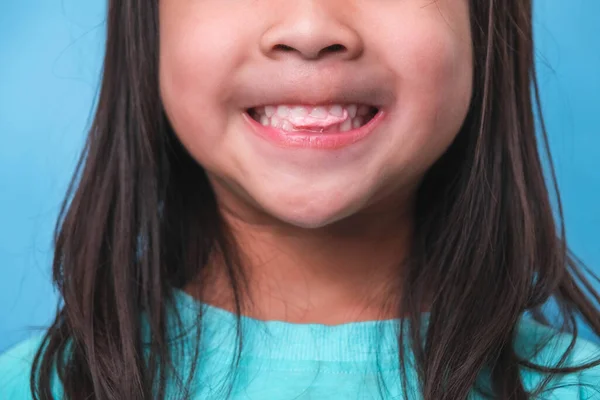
[{"x": 284, "y": 361}]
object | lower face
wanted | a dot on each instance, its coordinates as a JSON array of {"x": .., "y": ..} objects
[{"x": 387, "y": 85}]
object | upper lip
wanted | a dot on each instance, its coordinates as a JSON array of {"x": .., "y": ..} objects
[{"x": 317, "y": 89}]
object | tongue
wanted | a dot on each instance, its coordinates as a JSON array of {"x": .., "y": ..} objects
[{"x": 313, "y": 122}]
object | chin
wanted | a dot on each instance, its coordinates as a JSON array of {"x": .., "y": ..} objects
[{"x": 311, "y": 213}]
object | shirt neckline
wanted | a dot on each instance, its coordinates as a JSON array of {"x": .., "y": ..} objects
[{"x": 360, "y": 341}]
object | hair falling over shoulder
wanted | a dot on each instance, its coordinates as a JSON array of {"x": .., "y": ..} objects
[{"x": 140, "y": 218}]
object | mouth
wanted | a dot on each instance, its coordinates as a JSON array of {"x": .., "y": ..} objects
[
  {"x": 332, "y": 118},
  {"x": 321, "y": 127}
]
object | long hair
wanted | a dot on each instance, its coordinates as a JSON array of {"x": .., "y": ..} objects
[{"x": 140, "y": 218}]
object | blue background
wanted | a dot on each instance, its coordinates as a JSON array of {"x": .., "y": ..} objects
[{"x": 50, "y": 60}]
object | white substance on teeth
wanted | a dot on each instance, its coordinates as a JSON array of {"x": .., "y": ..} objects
[
  {"x": 275, "y": 121},
  {"x": 287, "y": 126}
]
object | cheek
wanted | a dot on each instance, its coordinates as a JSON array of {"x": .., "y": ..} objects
[
  {"x": 201, "y": 45},
  {"x": 436, "y": 71},
  {"x": 193, "y": 73},
  {"x": 433, "y": 66}
]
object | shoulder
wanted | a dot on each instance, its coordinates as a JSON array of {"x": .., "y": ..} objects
[
  {"x": 15, "y": 368},
  {"x": 546, "y": 346}
]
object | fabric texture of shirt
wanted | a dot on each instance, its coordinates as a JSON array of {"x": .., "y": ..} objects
[{"x": 285, "y": 361}]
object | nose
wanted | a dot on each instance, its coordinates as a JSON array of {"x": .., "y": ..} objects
[{"x": 311, "y": 32}]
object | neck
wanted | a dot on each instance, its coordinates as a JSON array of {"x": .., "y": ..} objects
[{"x": 347, "y": 271}]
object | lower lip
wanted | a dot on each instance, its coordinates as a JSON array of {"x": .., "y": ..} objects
[{"x": 313, "y": 140}]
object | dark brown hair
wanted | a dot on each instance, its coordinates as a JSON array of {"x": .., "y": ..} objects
[{"x": 140, "y": 218}]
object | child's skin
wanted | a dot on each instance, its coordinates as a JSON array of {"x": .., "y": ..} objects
[{"x": 324, "y": 229}]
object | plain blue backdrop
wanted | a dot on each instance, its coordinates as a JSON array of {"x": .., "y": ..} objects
[{"x": 50, "y": 61}]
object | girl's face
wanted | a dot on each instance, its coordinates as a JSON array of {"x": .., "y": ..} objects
[{"x": 410, "y": 59}]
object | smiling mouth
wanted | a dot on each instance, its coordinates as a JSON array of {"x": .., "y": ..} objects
[{"x": 319, "y": 119}]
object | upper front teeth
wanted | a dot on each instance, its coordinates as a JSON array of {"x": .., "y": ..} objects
[
  {"x": 320, "y": 112},
  {"x": 336, "y": 110}
]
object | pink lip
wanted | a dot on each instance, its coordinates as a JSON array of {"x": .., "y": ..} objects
[{"x": 313, "y": 140}]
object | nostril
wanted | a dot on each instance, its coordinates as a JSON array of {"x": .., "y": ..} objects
[
  {"x": 283, "y": 47},
  {"x": 334, "y": 48}
]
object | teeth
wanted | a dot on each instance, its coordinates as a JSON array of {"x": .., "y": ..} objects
[
  {"x": 352, "y": 110},
  {"x": 299, "y": 112},
  {"x": 363, "y": 110},
  {"x": 279, "y": 116},
  {"x": 283, "y": 111},
  {"x": 287, "y": 126},
  {"x": 319, "y": 112},
  {"x": 336, "y": 111},
  {"x": 270, "y": 111},
  {"x": 275, "y": 121},
  {"x": 346, "y": 125}
]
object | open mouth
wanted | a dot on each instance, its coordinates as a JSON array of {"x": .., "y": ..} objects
[{"x": 319, "y": 119}]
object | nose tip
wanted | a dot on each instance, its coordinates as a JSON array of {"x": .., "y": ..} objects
[{"x": 311, "y": 35}]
